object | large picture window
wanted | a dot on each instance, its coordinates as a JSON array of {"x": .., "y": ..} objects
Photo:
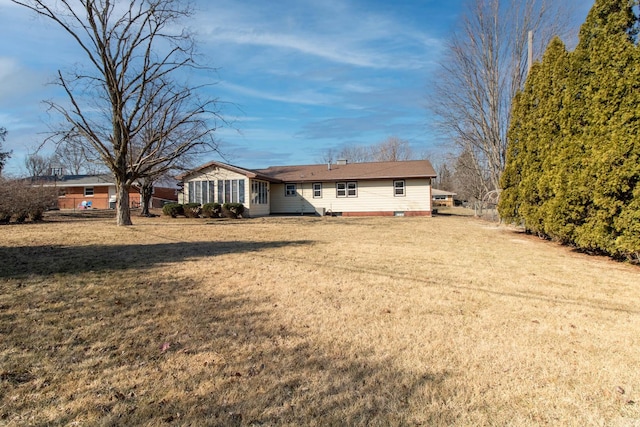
[
  {"x": 259, "y": 193},
  {"x": 229, "y": 191}
]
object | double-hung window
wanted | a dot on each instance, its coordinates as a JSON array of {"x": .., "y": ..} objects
[
  {"x": 317, "y": 190},
  {"x": 347, "y": 189},
  {"x": 290, "y": 190},
  {"x": 88, "y": 191},
  {"x": 398, "y": 188},
  {"x": 352, "y": 189}
]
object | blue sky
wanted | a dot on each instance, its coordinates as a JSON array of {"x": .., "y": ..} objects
[{"x": 294, "y": 77}]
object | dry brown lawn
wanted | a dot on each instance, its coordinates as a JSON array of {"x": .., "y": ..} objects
[{"x": 312, "y": 321}]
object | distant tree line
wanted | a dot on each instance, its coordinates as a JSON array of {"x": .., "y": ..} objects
[
  {"x": 392, "y": 149},
  {"x": 573, "y": 161}
]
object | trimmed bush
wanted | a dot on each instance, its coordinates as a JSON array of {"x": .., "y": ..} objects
[
  {"x": 212, "y": 210},
  {"x": 173, "y": 209},
  {"x": 233, "y": 210},
  {"x": 192, "y": 210}
]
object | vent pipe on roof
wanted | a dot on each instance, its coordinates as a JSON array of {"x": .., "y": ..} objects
[{"x": 328, "y": 166}]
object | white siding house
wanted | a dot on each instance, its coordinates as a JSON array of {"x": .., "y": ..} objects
[
  {"x": 380, "y": 188},
  {"x": 217, "y": 182}
]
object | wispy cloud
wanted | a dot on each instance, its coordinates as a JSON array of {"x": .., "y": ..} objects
[
  {"x": 297, "y": 75},
  {"x": 332, "y": 31},
  {"x": 307, "y": 97}
]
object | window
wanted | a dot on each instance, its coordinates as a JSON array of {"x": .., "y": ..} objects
[
  {"x": 317, "y": 190},
  {"x": 198, "y": 193},
  {"x": 259, "y": 192},
  {"x": 205, "y": 191},
  {"x": 231, "y": 191},
  {"x": 201, "y": 191},
  {"x": 347, "y": 189},
  {"x": 88, "y": 191},
  {"x": 352, "y": 189},
  {"x": 398, "y": 188},
  {"x": 290, "y": 190},
  {"x": 192, "y": 192},
  {"x": 212, "y": 190}
]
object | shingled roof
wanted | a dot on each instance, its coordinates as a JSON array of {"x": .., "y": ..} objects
[
  {"x": 330, "y": 172},
  {"x": 74, "y": 180},
  {"x": 351, "y": 171},
  {"x": 213, "y": 164}
]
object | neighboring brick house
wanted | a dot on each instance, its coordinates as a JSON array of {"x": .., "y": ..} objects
[
  {"x": 99, "y": 191},
  {"x": 443, "y": 198},
  {"x": 348, "y": 189}
]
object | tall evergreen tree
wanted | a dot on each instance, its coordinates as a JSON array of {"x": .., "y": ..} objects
[
  {"x": 536, "y": 128},
  {"x": 573, "y": 166},
  {"x": 607, "y": 62},
  {"x": 515, "y": 169}
]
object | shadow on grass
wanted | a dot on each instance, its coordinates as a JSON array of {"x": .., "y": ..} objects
[
  {"x": 24, "y": 261},
  {"x": 157, "y": 353}
]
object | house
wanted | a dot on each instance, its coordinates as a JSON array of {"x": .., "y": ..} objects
[
  {"x": 442, "y": 198},
  {"x": 347, "y": 189},
  {"x": 98, "y": 191}
]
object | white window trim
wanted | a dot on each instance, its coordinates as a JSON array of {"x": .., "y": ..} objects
[
  {"x": 293, "y": 192},
  {"x": 355, "y": 189},
  {"x": 93, "y": 191},
  {"x": 347, "y": 188},
  {"x": 404, "y": 188},
  {"x": 313, "y": 187}
]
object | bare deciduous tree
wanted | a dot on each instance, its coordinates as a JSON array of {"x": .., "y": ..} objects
[
  {"x": 74, "y": 156},
  {"x": 471, "y": 183},
  {"x": 4, "y": 155},
  {"x": 328, "y": 156},
  {"x": 167, "y": 138},
  {"x": 37, "y": 165},
  {"x": 485, "y": 66},
  {"x": 356, "y": 154},
  {"x": 393, "y": 149},
  {"x": 134, "y": 55},
  {"x": 445, "y": 178}
]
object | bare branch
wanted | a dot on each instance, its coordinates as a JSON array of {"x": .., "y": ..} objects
[
  {"x": 129, "y": 107},
  {"x": 485, "y": 67}
]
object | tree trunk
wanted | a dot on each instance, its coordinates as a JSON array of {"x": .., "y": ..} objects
[
  {"x": 123, "y": 211},
  {"x": 146, "y": 191}
]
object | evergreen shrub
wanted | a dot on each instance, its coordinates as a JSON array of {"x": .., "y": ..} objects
[
  {"x": 212, "y": 210},
  {"x": 173, "y": 209},
  {"x": 233, "y": 210},
  {"x": 192, "y": 210}
]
